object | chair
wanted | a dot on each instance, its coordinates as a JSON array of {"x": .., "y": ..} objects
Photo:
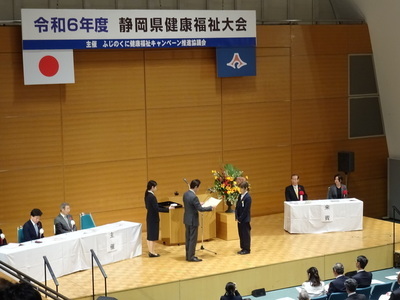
[
  {"x": 20, "y": 234},
  {"x": 380, "y": 289},
  {"x": 338, "y": 296},
  {"x": 395, "y": 286},
  {"x": 323, "y": 297},
  {"x": 365, "y": 290},
  {"x": 86, "y": 221}
]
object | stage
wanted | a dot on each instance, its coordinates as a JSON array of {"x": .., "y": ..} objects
[{"x": 278, "y": 260}]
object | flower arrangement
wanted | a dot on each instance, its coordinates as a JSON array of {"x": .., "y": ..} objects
[{"x": 226, "y": 183}]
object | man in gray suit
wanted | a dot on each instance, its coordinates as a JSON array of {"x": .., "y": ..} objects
[
  {"x": 64, "y": 221},
  {"x": 192, "y": 207}
]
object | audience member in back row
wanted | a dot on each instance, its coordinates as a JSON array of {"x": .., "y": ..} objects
[
  {"x": 337, "y": 284},
  {"x": 19, "y": 291},
  {"x": 231, "y": 293},
  {"x": 295, "y": 191},
  {"x": 303, "y": 295},
  {"x": 32, "y": 229},
  {"x": 395, "y": 295},
  {"x": 313, "y": 286},
  {"x": 337, "y": 190},
  {"x": 351, "y": 286},
  {"x": 362, "y": 277}
]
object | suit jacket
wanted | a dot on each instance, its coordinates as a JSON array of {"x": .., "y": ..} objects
[
  {"x": 62, "y": 226},
  {"x": 192, "y": 207},
  {"x": 231, "y": 297},
  {"x": 363, "y": 278},
  {"x": 243, "y": 206},
  {"x": 395, "y": 295},
  {"x": 337, "y": 285},
  {"x": 290, "y": 194},
  {"x": 332, "y": 192},
  {"x": 356, "y": 297},
  {"x": 153, "y": 208},
  {"x": 30, "y": 232}
]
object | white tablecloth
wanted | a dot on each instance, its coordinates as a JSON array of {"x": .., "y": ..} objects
[
  {"x": 70, "y": 252},
  {"x": 317, "y": 216}
]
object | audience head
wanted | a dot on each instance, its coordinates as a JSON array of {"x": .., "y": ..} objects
[
  {"x": 338, "y": 269},
  {"x": 230, "y": 288},
  {"x": 398, "y": 278},
  {"x": 36, "y": 213},
  {"x": 4, "y": 283},
  {"x": 313, "y": 276},
  {"x": 20, "y": 291},
  {"x": 350, "y": 285},
  {"x": 295, "y": 179},
  {"x": 65, "y": 208},
  {"x": 195, "y": 184},
  {"x": 362, "y": 261},
  {"x": 303, "y": 295}
]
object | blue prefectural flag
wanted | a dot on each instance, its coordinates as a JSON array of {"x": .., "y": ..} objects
[{"x": 234, "y": 62}]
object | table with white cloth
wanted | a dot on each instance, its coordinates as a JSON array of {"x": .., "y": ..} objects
[
  {"x": 70, "y": 252},
  {"x": 318, "y": 216}
]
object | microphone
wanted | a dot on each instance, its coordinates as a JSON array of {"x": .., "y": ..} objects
[{"x": 184, "y": 179}]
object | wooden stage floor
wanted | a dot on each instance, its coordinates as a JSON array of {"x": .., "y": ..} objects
[{"x": 278, "y": 260}]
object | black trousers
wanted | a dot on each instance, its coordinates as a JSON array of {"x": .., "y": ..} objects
[
  {"x": 191, "y": 241},
  {"x": 244, "y": 235}
]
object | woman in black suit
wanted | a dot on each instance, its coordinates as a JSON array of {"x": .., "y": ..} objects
[
  {"x": 153, "y": 218},
  {"x": 231, "y": 292}
]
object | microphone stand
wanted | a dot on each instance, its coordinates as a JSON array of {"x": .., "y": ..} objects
[{"x": 202, "y": 235}]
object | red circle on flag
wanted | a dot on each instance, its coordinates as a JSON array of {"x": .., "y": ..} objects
[{"x": 48, "y": 65}]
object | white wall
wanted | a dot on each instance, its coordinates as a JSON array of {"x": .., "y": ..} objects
[{"x": 382, "y": 18}]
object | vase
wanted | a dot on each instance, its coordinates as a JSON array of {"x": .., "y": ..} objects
[{"x": 229, "y": 204}]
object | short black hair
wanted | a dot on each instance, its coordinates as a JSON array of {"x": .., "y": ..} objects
[
  {"x": 195, "y": 183},
  {"x": 338, "y": 268},
  {"x": 362, "y": 260},
  {"x": 350, "y": 285},
  {"x": 36, "y": 212}
]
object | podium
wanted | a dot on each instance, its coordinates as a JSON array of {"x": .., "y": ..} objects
[
  {"x": 173, "y": 229},
  {"x": 227, "y": 226}
]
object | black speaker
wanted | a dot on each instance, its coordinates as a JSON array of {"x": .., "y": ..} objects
[
  {"x": 258, "y": 292},
  {"x": 346, "y": 161}
]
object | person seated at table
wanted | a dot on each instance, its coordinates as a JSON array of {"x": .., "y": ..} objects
[
  {"x": 313, "y": 286},
  {"x": 64, "y": 222},
  {"x": 295, "y": 192},
  {"x": 231, "y": 293},
  {"x": 351, "y": 286},
  {"x": 337, "y": 190},
  {"x": 3, "y": 240},
  {"x": 362, "y": 277},
  {"x": 32, "y": 229},
  {"x": 337, "y": 284}
]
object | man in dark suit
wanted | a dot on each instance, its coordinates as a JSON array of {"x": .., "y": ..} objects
[
  {"x": 362, "y": 277},
  {"x": 395, "y": 295},
  {"x": 192, "y": 207},
  {"x": 351, "y": 285},
  {"x": 295, "y": 192},
  {"x": 242, "y": 216},
  {"x": 32, "y": 229},
  {"x": 337, "y": 285},
  {"x": 64, "y": 222}
]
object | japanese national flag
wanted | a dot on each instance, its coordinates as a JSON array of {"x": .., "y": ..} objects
[{"x": 48, "y": 66}]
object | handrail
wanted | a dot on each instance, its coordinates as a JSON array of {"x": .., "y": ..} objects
[
  {"x": 40, "y": 287},
  {"x": 47, "y": 264},
  {"x": 94, "y": 257},
  {"x": 395, "y": 209}
]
